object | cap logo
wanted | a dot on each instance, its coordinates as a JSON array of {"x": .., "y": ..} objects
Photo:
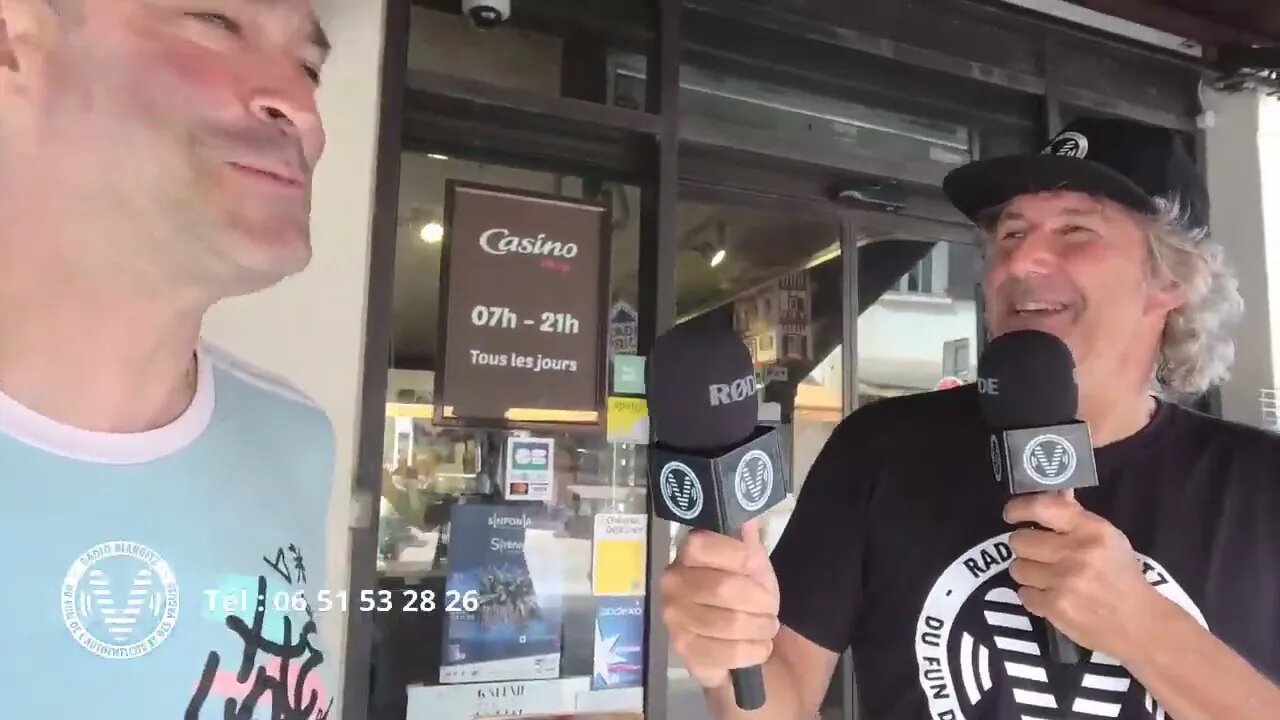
[{"x": 1069, "y": 144}]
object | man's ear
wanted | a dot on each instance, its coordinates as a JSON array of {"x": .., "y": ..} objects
[{"x": 1164, "y": 295}]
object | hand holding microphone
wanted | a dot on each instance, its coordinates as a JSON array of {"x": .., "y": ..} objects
[
  {"x": 1028, "y": 395},
  {"x": 711, "y": 468},
  {"x": 720, "y": 604},
  {"x": 1077, "y": 571}
]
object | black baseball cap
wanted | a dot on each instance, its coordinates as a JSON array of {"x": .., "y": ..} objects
[{"x": 1128, "y": 162}]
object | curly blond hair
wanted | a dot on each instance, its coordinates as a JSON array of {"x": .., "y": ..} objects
[{"x": 1197, "y": 349}]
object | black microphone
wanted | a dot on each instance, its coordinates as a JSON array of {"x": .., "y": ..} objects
[
  {"x": 1028, "y": 394},
  {"x": 710, "y": 466}
]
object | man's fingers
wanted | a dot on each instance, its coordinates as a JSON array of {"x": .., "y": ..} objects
[
  {"x": 1053, "y": 511},
  {"x": 703, "y": 653},
  {"x": 1032, "y": 574},
  {"x": 721, "y": 624},
  {"x": 751, "y": 533},
  {"x": 720, "y": 589},
  {"x": 1040, "y": 545},
  {"x": 714, "y": 551},
  {"x": 706, "y": 549},
  {"x": 1034, "y": 600}
]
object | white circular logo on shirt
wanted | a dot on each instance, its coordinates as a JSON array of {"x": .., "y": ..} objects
[
  {"x": 977, "y": 647},
  {"x": 120, "y": 600}
]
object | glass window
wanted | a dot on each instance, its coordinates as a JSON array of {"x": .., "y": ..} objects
[
  {"x": 921, "y": 332},
  {"x": 775, "y": 277},
  {"x": 551, "y": 47},
  {"x": 718, "y": 109},
  {"x": 490, "y": 605}
]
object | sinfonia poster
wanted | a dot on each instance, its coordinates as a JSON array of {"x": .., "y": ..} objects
[{"x": 514, "y": 631}]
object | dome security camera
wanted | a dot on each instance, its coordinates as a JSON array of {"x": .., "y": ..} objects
[{"x": 487, "y": 14}]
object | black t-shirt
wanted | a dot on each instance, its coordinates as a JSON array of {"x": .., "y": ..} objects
[{"x": 897, "y": 548}]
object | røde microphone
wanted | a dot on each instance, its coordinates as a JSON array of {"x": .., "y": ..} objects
[
  {"x": 1027, "y": 391},
  {"x": 710, "y": 467}
]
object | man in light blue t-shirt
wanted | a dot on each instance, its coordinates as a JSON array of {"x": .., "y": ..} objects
[{"x": 163, "y": 504}]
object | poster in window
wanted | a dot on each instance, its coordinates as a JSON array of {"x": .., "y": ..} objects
[{"x": 503, "y": 599}]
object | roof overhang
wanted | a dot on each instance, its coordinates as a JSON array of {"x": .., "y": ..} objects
[
  {"x": 1212, "y": 24},
  {"x": 1238, "y": 39}
]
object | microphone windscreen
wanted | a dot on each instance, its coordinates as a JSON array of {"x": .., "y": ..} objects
[
  {"x": 1026, "y": 378},
  {"x": 701, "y": 387}
]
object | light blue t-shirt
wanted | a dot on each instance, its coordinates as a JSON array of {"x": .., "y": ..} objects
[{"x": 136, "y": 565}]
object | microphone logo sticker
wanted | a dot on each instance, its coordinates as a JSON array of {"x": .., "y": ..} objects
[
  {"x": 1049, "y": 460},
  {"x": 996, "y": 465},
  {"x": 681, "y": 490},
  {"x": 753, "y": 480}
]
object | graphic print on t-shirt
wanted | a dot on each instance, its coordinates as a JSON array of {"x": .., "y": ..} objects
[
  {"x": 275, "y": 668},
  {"x": 974, "y": 641}
]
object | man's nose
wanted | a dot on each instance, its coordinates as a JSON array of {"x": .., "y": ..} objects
[
  {"x": 1034, "y": 255},
  {"x": 290, "y": 105}
]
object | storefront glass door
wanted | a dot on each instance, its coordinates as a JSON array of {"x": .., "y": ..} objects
[
  {"x": 490, "y": 580},
  {"x": 774, "y": 274},
  {"x": 828, "y": 332}
]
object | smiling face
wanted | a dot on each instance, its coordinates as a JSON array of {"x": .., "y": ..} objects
[
  {"x": 1077, "y": 267},
  {"x": 168, "y": 141}
]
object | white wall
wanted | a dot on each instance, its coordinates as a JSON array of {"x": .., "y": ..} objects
[
  {"x": 1269, "y": 152},
  {"x": 1243, "y": 176},
  {"x": 311, "y": 328},
  {"x": 900, "y": 338}
]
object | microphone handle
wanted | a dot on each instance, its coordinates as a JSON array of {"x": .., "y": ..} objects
[
  {"x": 748, "y": 682},
  {"x": 1062, "y": 649},
  {"x": 748, "y": 687}
]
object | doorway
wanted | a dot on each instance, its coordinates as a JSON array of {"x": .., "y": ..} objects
[{"x": 840, "y": 304}]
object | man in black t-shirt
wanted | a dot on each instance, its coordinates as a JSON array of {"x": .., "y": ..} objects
[{"x": 902, "y": 547}]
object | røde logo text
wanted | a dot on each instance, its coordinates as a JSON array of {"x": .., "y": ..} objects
[
  {"x": 739, "y": 390},
  {"x": 988, "y": 386}
]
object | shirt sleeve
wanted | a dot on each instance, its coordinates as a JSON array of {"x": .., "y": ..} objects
[{"x": 818, "y": 559}]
